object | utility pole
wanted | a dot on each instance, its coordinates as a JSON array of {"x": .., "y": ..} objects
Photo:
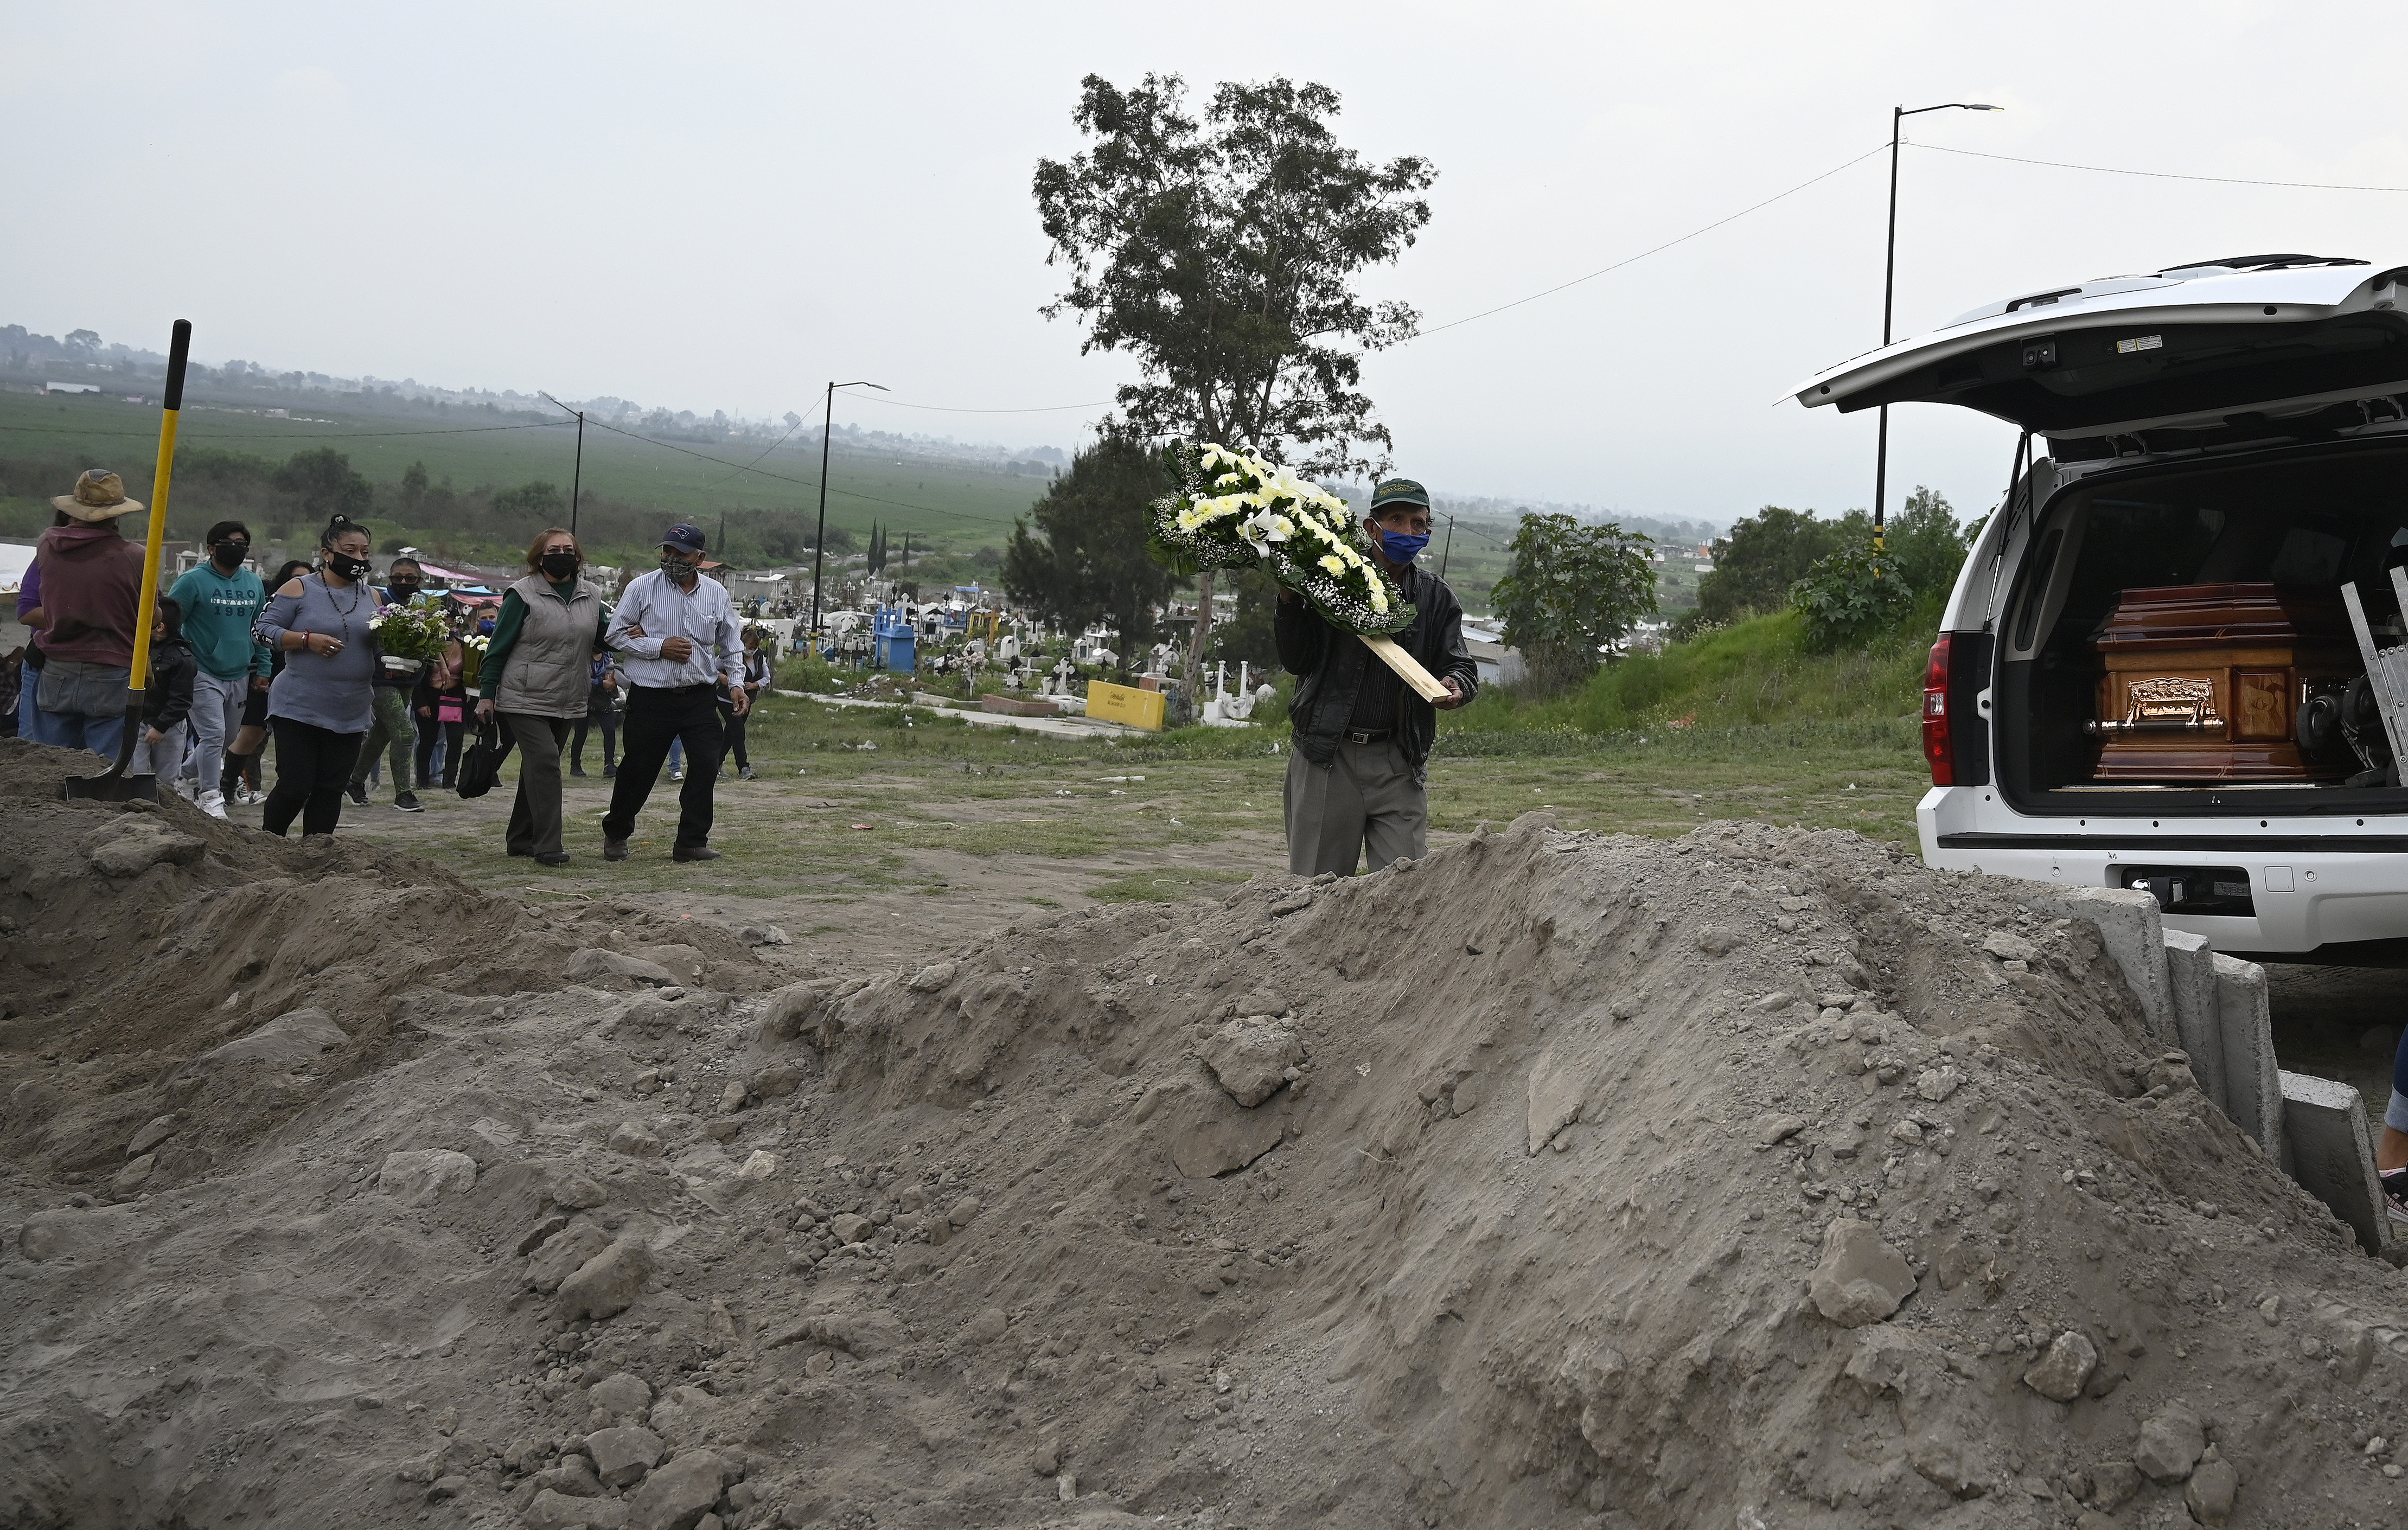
[
  {"x": 1897, "y": 116},
  {"x": 576, "y": 472},
  {"x": 1446, "y": 547},
  {"x": 819, "y": 542}
]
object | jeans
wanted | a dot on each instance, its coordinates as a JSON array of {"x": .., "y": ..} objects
[
  {"x": 608, "y": 724},
  {"x": 312, "y": 766},
  {"x": 436, "y": 738},
  {"x": 392, "y": 732},
  {"x": 216, "y": 717},
  {"x": 535, "y": 812},
  {"x": 655, "y": 718},
  {"x": 77, "y": 706}
]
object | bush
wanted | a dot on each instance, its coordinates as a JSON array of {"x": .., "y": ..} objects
[{"x": 1848, "y": 597}]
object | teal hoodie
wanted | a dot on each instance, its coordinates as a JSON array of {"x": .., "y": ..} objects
[{"x": 219, "y": 610}]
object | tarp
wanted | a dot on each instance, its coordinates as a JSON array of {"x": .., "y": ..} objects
[
  {"x": 15, "y": 558},
  {"x": 451, "y": 576}
]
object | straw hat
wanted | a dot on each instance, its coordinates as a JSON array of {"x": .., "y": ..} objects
[{"x": 99, "y": 495}]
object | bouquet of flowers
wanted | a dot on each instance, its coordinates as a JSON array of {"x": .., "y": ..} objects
[
  {"x": 1234, "y": 510},
  {"x": 416, "y": 632}
]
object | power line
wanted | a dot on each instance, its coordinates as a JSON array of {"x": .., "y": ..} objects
[
  {"x": 1656, "y": 249},
  {"x": 2152, "y": 174},
  {"x": 947, "y": 408}
]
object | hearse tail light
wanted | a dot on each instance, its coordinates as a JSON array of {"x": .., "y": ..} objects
[{"x": 1937, "y": 748}]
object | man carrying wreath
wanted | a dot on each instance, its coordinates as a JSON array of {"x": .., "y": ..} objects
[{"x": 1357, "y": 776}]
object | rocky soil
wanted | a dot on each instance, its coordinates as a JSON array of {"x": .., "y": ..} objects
[{"x": 1754, "y": 1177}]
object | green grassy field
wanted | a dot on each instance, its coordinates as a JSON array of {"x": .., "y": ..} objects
[{"x": 955, "y": 504}]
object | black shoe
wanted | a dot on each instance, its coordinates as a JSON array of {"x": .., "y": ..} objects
[
  {"x": 609, "y": 770},
  {"x": 408, "y": 802},
  {"x": 558, "y": 858},
  {"x": 696, "y": 852},
  {"x": 577, "y": 770},
  {"x": 613, "y": 849},
  {"x": 358, "y": 794},
  {"x": 522, "y": 852}
]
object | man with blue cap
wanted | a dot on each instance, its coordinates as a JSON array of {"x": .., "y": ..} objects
[
  {"x": 679, "y": 646},
  {"x": 1357, "y": 778}
]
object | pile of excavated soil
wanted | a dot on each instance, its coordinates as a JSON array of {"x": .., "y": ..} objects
[{"x": 1756, "y": 1177}]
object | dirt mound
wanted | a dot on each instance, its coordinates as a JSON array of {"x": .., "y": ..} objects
[{"x": 1756, "y": 1178}]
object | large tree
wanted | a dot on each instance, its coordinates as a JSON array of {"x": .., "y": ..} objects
[
  {"x": 1222, "y": 253},
  {"x": 1571, "y": 590},
  {"x": 1085, "y": 559}
]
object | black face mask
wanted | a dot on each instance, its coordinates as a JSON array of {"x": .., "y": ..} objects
[
  {"x": 560, "y": 566},
  {"x": 401, "y": 590},
  {"x": 230, "y": 553},
  {"x": 344, "y": 567}
]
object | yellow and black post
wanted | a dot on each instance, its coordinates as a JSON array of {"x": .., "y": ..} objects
[{"x": 114, "y": 785}]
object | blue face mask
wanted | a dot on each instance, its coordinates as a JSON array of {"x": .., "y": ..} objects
[{"x": 1401, "y": 548}]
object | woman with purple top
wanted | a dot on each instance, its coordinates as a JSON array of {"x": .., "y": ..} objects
[{"x": 319, "y": 705}]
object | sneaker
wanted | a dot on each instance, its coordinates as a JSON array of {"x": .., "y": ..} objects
[
  {"x": 677, "y": 775},
  {"x": 577, "y": 770},
  {"x": 212, "y": 803},
  {"x": 2395, "y": 1194},
  {"x": 743, "y": 773},
  {"x": 696, "y": 852},
  {"x": 609, "y": 770},
  {"x": 408, "y": 802},
  {"x": 358, "y": 794}
]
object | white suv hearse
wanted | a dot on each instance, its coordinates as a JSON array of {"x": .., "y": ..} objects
[{"x": 2177, "y": 657}]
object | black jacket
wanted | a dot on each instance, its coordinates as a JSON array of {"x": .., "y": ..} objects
[
  {"x": 169, "y": 698},
  {"x": 1328, "y": 664}
]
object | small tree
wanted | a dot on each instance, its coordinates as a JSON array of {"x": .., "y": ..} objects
[
  {"x": 1085, "y": 558},
  {"x": 1848, "y": 597},
  {"x": 413, "y": 488},
  {"x": 537, "y": 500},
  {"x": 324, "y": 483},
  {"x": 1763, "y": 556},
  {"x": 1569, "y": 590}
]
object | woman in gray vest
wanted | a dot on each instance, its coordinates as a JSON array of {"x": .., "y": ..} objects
[{"x": 535, "y": 676}]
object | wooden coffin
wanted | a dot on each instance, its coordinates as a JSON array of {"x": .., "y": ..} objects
[{"x": 2203, "y": 683}]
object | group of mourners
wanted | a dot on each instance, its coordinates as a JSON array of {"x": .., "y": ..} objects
[{"x": 234, "y": 661}]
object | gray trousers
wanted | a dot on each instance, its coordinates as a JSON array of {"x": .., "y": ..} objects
[
  {"x": 216, "y": 717},
  {"x": 1365, "y": 806}
]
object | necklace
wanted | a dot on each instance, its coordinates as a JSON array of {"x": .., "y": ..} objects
[{"x": 342, "y": 613}]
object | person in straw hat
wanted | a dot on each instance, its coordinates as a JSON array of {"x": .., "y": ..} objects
[{"x": 91, "y": 588}]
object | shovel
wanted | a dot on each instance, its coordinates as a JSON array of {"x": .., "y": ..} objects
[{"x": 114, "y": 785}]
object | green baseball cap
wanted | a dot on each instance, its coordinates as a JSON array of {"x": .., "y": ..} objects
[{"x": 1398, "y": 492}]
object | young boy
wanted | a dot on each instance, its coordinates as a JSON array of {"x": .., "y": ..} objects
[{"x": 168, "y": 700}]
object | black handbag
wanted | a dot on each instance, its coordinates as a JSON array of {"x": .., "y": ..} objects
[{"x": 482, "y": 765}]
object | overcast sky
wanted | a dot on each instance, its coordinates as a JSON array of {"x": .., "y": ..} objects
[{"x": 726, "y": 206}]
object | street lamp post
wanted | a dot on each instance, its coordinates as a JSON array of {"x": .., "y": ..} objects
[
  {"x": 819, "y": 543},
  {"x": 1897, "y": 116}
]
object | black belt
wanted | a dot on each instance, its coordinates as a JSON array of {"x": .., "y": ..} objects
[
  {"x": 677, "y": 690},
  {"x": 1368, "y": 736}
]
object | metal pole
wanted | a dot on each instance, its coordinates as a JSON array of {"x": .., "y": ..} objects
[
  {"x": 1890, "y": 289},
  {"x": 819, "y": 543},
  {"x": 1446, "y": 547},
  {"x": 577, "y": 473}
]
